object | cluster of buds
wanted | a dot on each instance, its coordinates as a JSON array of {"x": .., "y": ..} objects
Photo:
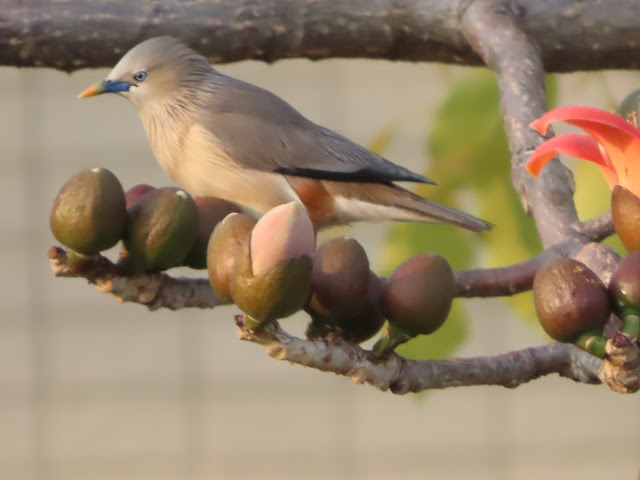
[
  {"x": 270, "y": 268},
  {"x": 160, "y": 228},
  {"x": 572, "y": 304}
]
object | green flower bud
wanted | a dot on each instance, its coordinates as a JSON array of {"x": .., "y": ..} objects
[
  {"x": 89, "y": 213},
  {"x": 225, "y": 243},
  {"x": 162, "y": 228}
]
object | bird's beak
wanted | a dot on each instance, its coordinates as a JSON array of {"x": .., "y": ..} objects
[{"x": 106, "y": 86}]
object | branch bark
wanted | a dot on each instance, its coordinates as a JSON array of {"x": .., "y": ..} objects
[
  {"x": 160, "y": 290},
  {"x": 72, "y": 34},
  {"x": 401, "y": 376},
  {"x": 152, "y": 289}
]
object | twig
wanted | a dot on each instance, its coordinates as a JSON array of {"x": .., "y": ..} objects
[
  {"x": 596, "y": 229},
  {"x": 153, "y": 289},
  {"x": 402, "y": 376},
  {"x": 512, "y": 279},
  {"x": 160, "y": 290}
]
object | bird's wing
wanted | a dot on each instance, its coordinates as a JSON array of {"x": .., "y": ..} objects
[{"x": 259, "y": 130}]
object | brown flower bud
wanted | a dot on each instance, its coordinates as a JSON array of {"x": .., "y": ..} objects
[
  {"x": 416, "y": 300},
  {"x": 570, "y": 299},
  {"x": 625, "y": 210},
  {"x": 211, "y": 211},
  {"x": 340, "y": 279},
  {"x": 134, "y": 193},
  {"x": 625, "y": 285},
  {"x": 418, "y": 294},
  {"x": 225, "y": 243},
  {"x": 366, "y": 323}
]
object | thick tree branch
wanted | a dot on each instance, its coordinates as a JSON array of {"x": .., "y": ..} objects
[
  {"x": 491, "y": 28},
  {"x": 402, "y": 376},
  {"x": 71, "y": 34}
]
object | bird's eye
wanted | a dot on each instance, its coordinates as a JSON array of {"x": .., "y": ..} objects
[{"x": 140, "y": 76}]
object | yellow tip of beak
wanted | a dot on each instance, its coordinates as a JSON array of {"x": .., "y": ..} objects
[{"x": 92, "y": 91}]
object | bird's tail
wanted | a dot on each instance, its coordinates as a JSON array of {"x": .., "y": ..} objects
[{"x": 377, "y": 201}]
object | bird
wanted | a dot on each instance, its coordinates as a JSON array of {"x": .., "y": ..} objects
[{"x": 217, "y": 136}]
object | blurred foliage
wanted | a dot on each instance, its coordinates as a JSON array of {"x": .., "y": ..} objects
[
  {"x": 469, "y": 158},
  {"x": 593, "y": 197}
]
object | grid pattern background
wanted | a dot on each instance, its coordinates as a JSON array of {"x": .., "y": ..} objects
[{"x": 93, "y": 389}]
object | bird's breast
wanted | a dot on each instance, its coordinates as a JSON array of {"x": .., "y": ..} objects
[{"x": 196, "y": 161}]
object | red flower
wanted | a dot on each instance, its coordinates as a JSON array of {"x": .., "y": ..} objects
[{"x": 612, "y": 143}]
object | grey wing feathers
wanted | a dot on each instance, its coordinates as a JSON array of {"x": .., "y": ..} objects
[{"x": 261, "y": 131}]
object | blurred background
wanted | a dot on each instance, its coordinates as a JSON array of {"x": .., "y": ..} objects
[{"x": 90, "y": 388}]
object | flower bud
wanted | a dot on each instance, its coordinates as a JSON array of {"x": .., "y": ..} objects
[
  {"x": 271, "y": 278},
  {"x": 225, "y": 243},
  {"x": 134, "y": 193},
  {"x": 629, "y": 107},
  {"x": 416, "y": 300},
  {"x": 625, "y": 285},
  {"x": 162, "y": 227},
  {"x": 369, "y": 320},
  {"x": 283, "y": 232},
  {"x": 625, "y": 292},
  {"x": 625, "y": 210},
  {"x": 570, "y": 299},
  {"x": 419, "y": 293},
  {"x": 340, "y": 279},
  {"x": 211, "y": 211},
  {"x": 89, "y": 213}
]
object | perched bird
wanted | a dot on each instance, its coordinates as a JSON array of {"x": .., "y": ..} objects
[{"x": 218, "y": 136}]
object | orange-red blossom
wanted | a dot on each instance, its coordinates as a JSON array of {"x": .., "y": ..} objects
[{"x": 611, "y": 142}]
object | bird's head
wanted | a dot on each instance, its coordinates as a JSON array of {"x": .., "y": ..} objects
[{"x": 152, "y": 70}]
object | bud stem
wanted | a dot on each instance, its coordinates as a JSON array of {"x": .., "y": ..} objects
[
  {"x": 253, "y": 324},
  {"x": 317, "y": 329},
  {"x": 592, "y": 342},
  {"x": 392, "y": 336},
  {"x": 631, "y": 325}
]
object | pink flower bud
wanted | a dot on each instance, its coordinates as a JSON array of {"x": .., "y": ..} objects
[{"x": 283, "y": 232}]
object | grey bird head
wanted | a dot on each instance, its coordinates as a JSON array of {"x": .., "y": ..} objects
[{"x": 152, "y": 71}]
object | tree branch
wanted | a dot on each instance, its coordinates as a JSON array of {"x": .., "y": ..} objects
[
  {"x": 153, "y": 289},
  {"x": 401, "y": 376},
  {"x": 160, "y": 290},
  {"x": 491, "y": 28},
  {"x": 72, "y": 34},
  {"x": 596, "y": 229}
]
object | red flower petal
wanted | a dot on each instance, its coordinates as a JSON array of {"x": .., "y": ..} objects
[
  {"x": 575, "y": 113},
  {"x": 573, "y": 145}
]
